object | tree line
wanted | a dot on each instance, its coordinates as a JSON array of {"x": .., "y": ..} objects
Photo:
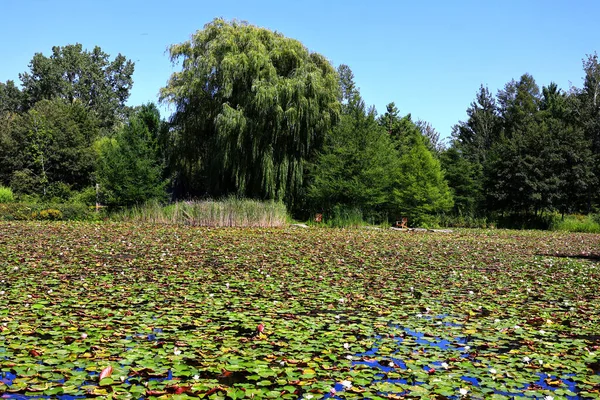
[{"x": 258, "y": 115}]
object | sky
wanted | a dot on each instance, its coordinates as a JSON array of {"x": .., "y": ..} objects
[{"x": 428, "y": 57}]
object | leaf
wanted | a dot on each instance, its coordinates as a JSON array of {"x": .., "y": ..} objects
[{"x": 106, "y": 372}]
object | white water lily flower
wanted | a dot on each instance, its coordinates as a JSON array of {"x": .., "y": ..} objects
[
  {"x": 308, "y": 396},
  {"x": 541, "y": 362},
  {"x": 349, "y": 357},
  {"x": 346, "y": 384},
  {"x": 445, "y": 365},
  {"x": 493, "y": 371},
  {"x": 463, "y": 391},
  {"x": 346, "y": 346},
  {"x": 196, "y": 377},
  {"x": 2, "y": 292},
  {"x": 542, "y": 331},
  {"x": 548, "y": 397},
  {"x": 227, "y": 285},
  {"x": 526, "y": 359},
  {"x": 176, "y": 351}
]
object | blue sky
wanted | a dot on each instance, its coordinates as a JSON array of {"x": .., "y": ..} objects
[{"x": 429, "y": 57}]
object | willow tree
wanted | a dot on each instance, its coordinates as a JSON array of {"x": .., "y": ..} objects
[{"x": 250, "y": 107}]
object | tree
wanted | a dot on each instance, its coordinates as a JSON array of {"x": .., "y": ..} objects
[
  {"x": 11, "y": 98},
  {"x": 73, "y": 74},
  {"x": 402, "y": 130},
  {"x": 464, "y": 179},
  {"x": 434, "y": 143},
  {"x": 570, "y": 150},
  {"x": 50, "y": 145},
  {"x": 129, "y": 169},
  {"x": 589, "y": 118},
  {"x": 420, "y": 189},
  {"x": 251, "y": 107},
  {"x": 476, "y": 136},
  {"x": 356, "y": 168}
]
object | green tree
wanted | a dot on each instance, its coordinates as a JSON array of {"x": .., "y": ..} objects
[
  {"x": 11, "y": 98},
  {"x": 51, "y": 145},
  {"x": 464, "y": 179},
  {"x": 251, "y": 107},
  {"x": 476, "y": 136},
  {"x": 570, "y": 153},
  {"x": 129, "y": 169},
  {"x": 74, "y": 74},
  {"x": 589, "y": 117},
  {"x": 420, "y": 189},
  {"x": 357, "y": 165},
  {"x": 402, "y": 130}
]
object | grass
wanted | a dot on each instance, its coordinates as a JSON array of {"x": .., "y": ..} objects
[
  {"x": 230, "y": 212},
  {"x": 577, "y": 223}
]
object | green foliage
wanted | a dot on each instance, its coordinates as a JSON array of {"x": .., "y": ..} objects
[
  {"x": 88, "y": 78},
  {"x": 356, "y": 168},
  {"x": 251, "y": 107},
  {"x": 50, "y": 143},
  {"x": 87, "y": 196},
  {"x": 465, "y": 180},
  {"x": 576, "y": 223},
  {"x": 11, "y": 98},
  {"x": 6, "y": 195},
  {"x": 20, "y": 211},
  {"x": 420, "y": 190},
  {"x": 129, "y": 169},
  {"x": 344, "y": 217},
  {"x": 50, "y": 214},
  {"x": 231, "y": 212}
]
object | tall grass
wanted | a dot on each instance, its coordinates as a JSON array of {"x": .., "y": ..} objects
[
  {"x": 229, "y": 212},
  {"x": 577, "y": 223}
]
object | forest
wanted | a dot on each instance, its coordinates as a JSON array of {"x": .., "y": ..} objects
[{"x": 257, "y": 115}]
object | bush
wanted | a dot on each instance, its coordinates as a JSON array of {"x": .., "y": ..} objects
[
  {"x": 58, "y": 192},
  {"x": 86, "y": 196},
  {"x": 6, "y": 195},
  {"x": 25, "y": 182},
  {"x": 47, "y": 212},
  {"x": 50, "y": 214}
]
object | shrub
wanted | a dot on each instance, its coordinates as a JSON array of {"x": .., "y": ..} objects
[
  {"x": 50, "y": 214},
  {"x": 58, "y": 192},
  {"x": 6, "y": 195},
  {"x": 86, "y": 196}
]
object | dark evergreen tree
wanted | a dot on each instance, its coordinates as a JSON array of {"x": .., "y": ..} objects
[{"x": 130, "y": 170}]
